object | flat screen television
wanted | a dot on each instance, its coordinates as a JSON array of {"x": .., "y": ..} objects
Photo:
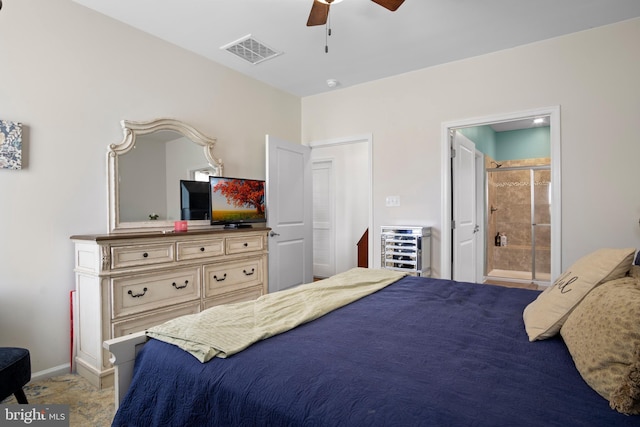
[
  {"x": 237, "y": 202},
  {"x": 194, "y": 200}
]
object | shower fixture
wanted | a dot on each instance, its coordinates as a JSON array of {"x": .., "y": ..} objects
[{"x": 497, "y": 164}]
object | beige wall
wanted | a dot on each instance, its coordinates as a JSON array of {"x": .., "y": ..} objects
[
  {"x": 593, "y": 76},
  {"x": 70, "y": 75}
]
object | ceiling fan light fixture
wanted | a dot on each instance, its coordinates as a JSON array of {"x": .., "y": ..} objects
[{"x": 320, "y": 9}]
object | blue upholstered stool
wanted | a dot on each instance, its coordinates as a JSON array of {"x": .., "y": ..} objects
[{"x": 15, "y": 372}]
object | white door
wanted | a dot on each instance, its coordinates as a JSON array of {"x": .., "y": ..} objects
[
  {"x": 465, "y": 227},
  {"x": 289, "y": 208},
  {"x": 324, "y": 262},
  {"x": 481, "y": 217}
]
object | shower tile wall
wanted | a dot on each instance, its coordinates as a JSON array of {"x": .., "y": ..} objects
[{"x": 509, "y": 194}]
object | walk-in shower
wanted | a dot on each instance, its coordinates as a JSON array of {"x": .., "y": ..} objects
[{"x": 518, "y": 223}]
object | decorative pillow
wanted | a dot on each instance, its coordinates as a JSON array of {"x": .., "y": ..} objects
[
  {"x": 544, "y": 317},
  {"x": 603, "y": 337}
]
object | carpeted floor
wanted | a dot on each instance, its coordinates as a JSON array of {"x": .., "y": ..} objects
[{"x": 88, "y": 406}]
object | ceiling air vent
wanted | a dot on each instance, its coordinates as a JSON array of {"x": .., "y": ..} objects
[{"x": 251, "y": 50}]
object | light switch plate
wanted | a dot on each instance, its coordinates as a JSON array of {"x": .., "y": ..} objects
[{"x": 392, "y": 201}]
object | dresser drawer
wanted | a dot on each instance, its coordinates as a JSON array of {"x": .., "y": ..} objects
[
  {"x": 143, "y": 322},
  {"x": 246, "y": 294},
  {"x": 139, "y": 255},
  {"x": 238, "y": 245},
  {"x": 233, "y": 276},
  {"x": 199, "y": 249},
  {"x": 144, "y": 292}
]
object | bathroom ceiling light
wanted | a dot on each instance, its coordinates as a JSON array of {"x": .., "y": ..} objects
[{"x": 538, "y": 120}]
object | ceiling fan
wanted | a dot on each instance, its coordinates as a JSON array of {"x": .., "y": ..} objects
[{"x": 320, "y": 9}]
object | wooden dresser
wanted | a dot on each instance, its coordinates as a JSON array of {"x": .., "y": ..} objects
[{"x": 126, "y": 283}]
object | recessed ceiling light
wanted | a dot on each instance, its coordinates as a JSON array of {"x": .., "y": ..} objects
[
  {"x": 329, "y": 1},
  {"x": 332, "y": 83}
]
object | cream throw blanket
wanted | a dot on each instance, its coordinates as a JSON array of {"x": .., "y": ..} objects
[{"x": 227, "y": 329}]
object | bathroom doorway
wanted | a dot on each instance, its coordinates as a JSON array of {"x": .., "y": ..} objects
[{"x": 449, "y": 172}]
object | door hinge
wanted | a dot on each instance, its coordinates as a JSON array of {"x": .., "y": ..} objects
[
  {"x": 453, "y": 152},
  {"x": 453, "y": 224}
]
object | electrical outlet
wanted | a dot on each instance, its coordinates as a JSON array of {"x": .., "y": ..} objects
[{"x": 392, "y": 201}]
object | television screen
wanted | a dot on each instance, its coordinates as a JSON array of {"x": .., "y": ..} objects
[
  {"x": 194, "y": 200},
  {"x": 236, "y": 201}
]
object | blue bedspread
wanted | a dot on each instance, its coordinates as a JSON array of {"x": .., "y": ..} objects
[{"x": 421, "y": 352}]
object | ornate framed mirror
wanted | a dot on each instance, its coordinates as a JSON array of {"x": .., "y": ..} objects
[{"x": 145, "y": 169}]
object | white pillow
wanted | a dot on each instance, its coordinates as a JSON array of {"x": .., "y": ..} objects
[{"x": 544, "y": 317}]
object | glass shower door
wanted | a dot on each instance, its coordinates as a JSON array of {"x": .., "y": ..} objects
[
  {"x": 519, "y": 207},
  {"x": 541, "y": 224}
]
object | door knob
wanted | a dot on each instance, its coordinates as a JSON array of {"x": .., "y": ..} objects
[
  {"x": 476, "y": 228},
  {"x": 273, "y": 233}
]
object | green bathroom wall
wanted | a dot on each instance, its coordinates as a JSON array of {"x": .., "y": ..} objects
[
  {"x": 523, "y": 144},
  {"x": 511, "y": 145},
  {"x": 484, "y": 137}
]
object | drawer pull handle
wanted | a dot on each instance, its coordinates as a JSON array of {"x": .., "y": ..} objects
[
  {"x": 144, "y": 255},
  {"x": 186, "y": 282},
  {"x": 246, "y": 244},
  {"x": 201, "y": 249},
  {"x": 221, "y": 279},
  {"x": 253, "y": 270},
  {"x": 144, "y": 291}
]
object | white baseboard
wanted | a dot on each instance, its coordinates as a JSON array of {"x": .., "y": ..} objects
[{"x": 51, "y": 372}]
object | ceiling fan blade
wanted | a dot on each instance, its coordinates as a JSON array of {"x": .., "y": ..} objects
[
  {"x": 319, "y": 14},
  {"x": 392, "y": 5}
]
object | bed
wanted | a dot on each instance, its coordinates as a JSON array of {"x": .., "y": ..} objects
[{"x": 420, "y": 351}]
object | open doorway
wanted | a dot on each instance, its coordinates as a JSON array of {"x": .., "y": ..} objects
[
  {"x": 342, "y": 203},
  {"x": 554, "y": 233},
  {"x": 515, "y": 186}
]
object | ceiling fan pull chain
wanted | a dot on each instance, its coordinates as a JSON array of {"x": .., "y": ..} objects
[
  {"x": 326, "y": 39},
  {"x": 327, "y": 33}
]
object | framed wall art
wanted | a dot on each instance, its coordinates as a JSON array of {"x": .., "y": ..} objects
[{"x": 10, "y": 145}]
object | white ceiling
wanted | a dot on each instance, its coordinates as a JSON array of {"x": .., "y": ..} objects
[
  {"x": 368, "y": 42},
  {"x": 519, "y": 124}
]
